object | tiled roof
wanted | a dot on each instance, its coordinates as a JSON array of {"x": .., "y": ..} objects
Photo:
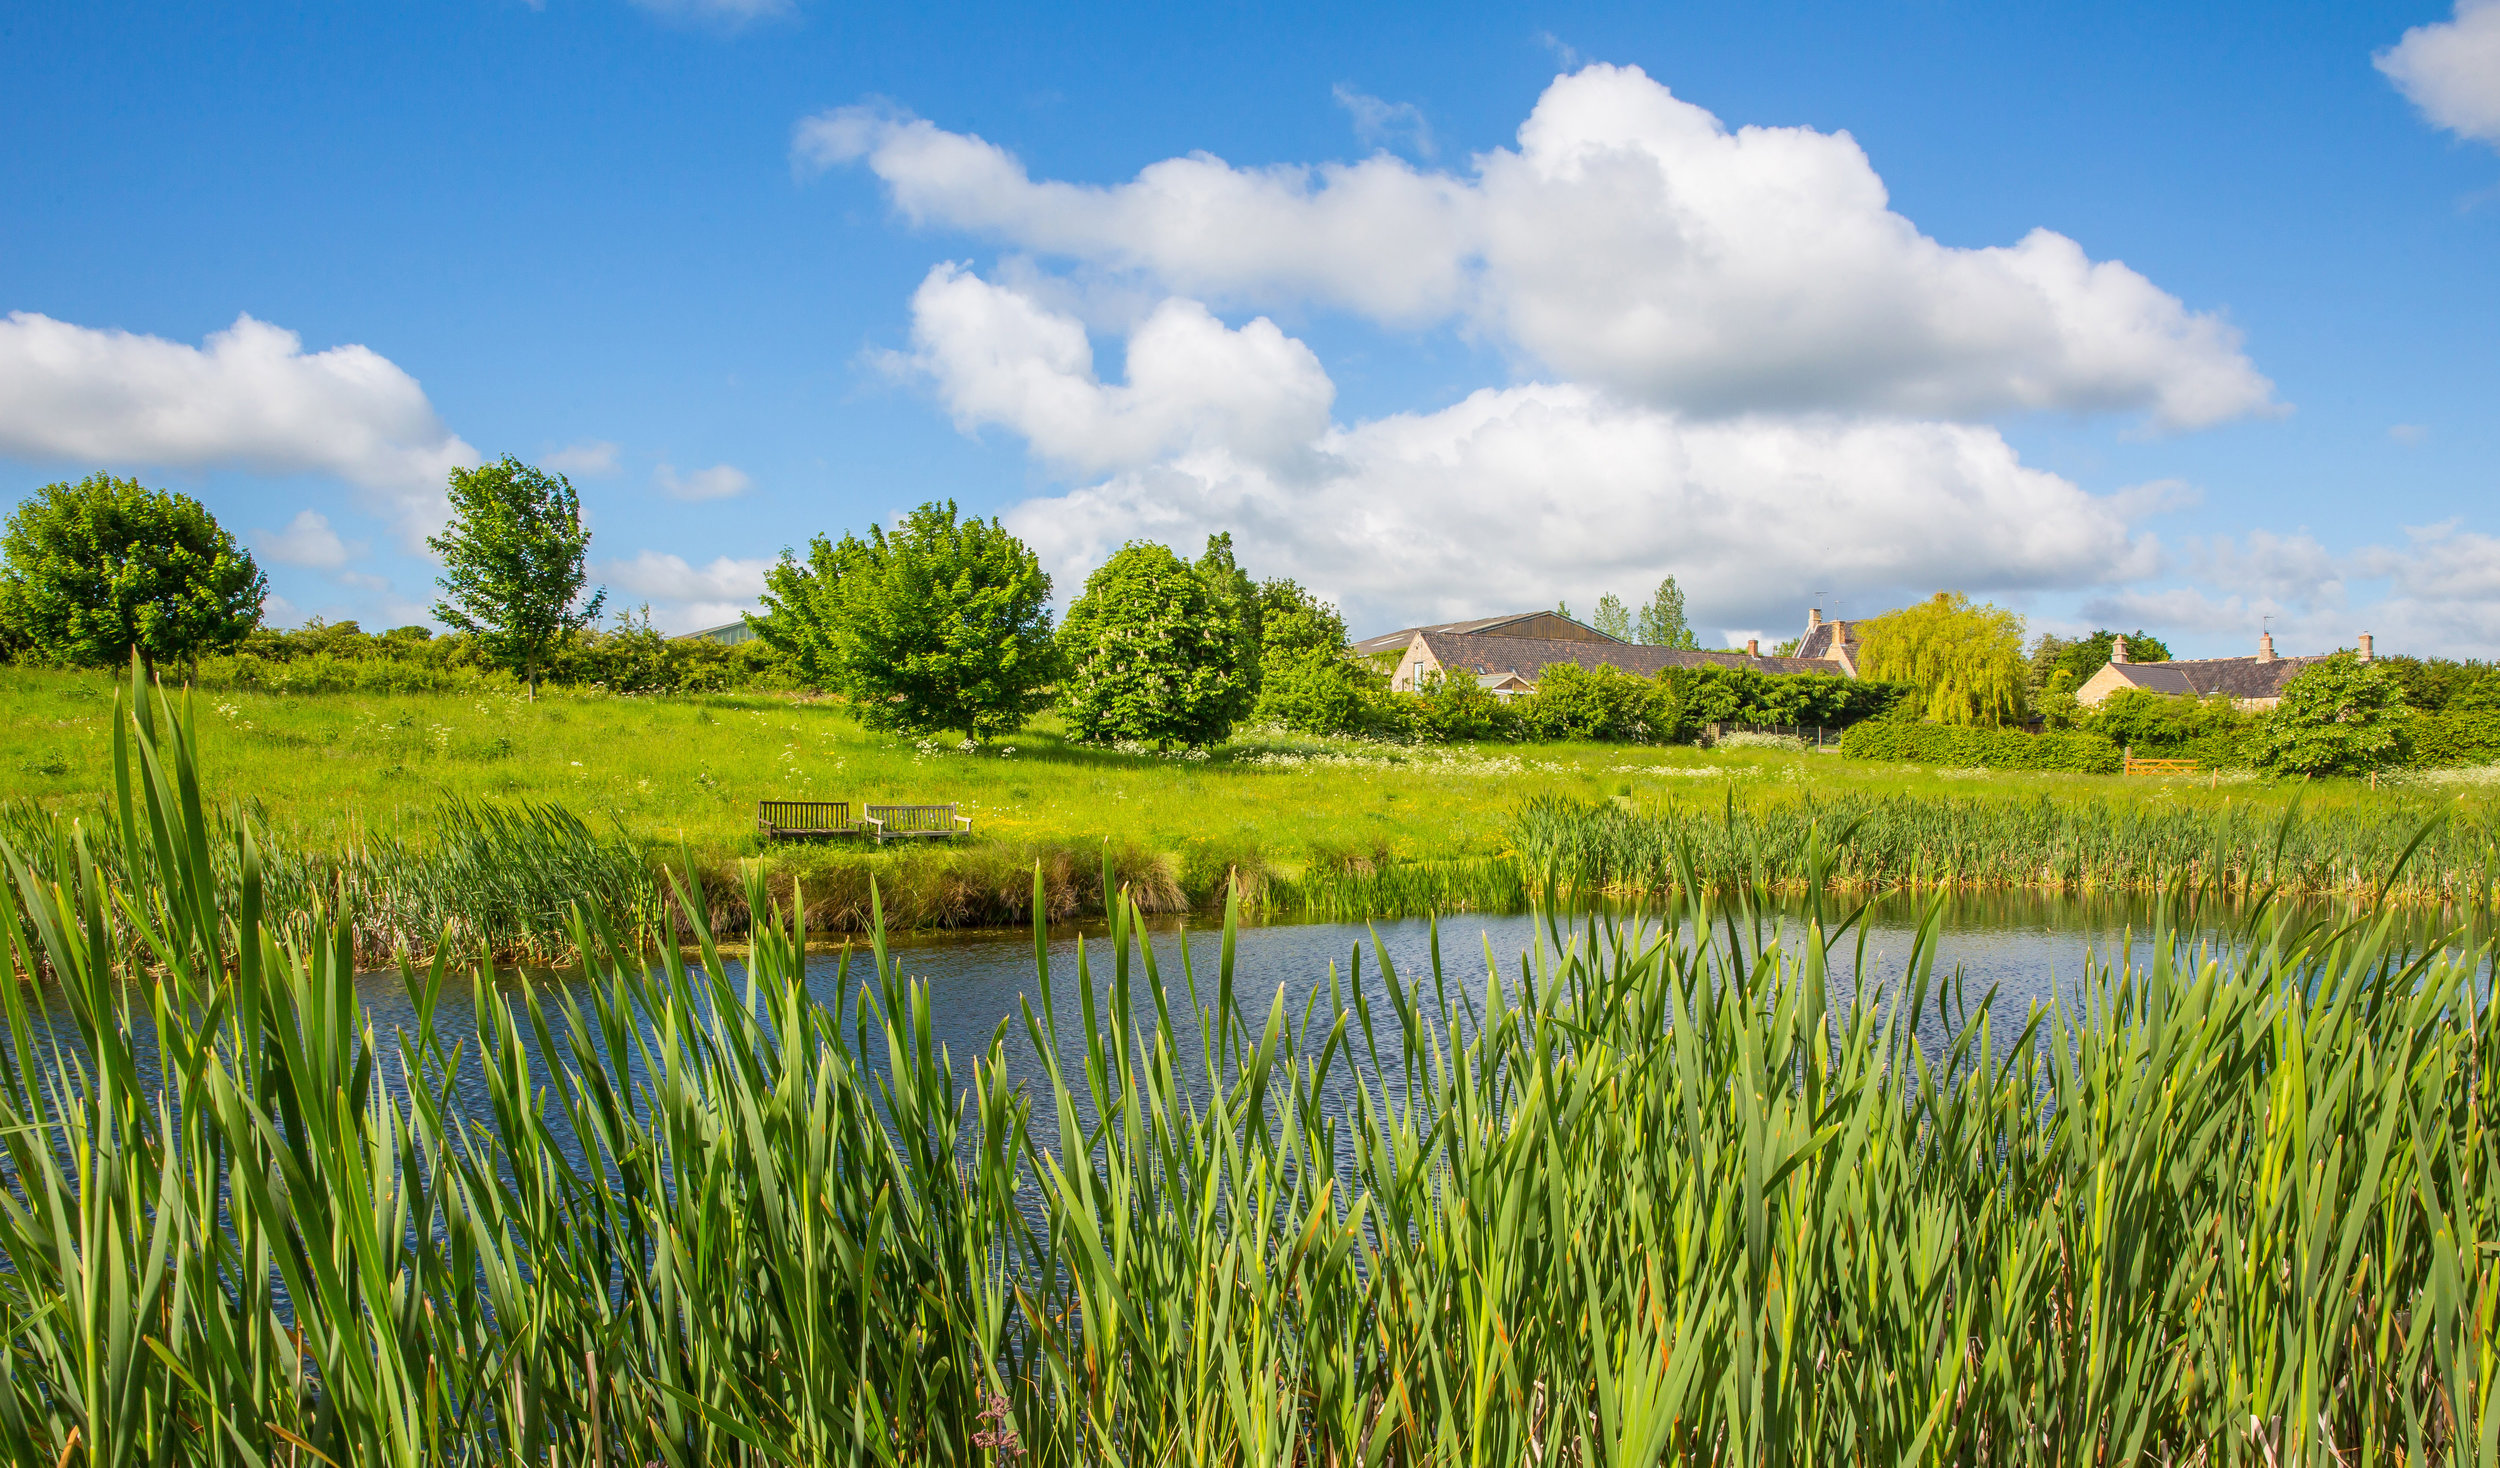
[
  {"x": 1529, "y": 656},
  {"x": 1398, "y": 640},
  {"x": 1817, "y": 643},
  {"x": 2202, "y": 677}
]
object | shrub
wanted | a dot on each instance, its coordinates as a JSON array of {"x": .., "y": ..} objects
[
  {"x": 1997, "y": 749},
  {"x": 1310, "y": 689},
  {"x": 2211, "y": 731},
  {"x": 1731, "y": 695},
  {"x": 2464, "y": 737},
  {"x": 1572, "y": 702},
  {"x": 1453, "y": 710}
]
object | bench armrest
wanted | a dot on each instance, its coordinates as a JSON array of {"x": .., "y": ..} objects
[{"x": 964, "y": 824}]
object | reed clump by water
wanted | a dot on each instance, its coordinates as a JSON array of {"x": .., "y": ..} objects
[
  {"x": 1925, "y": 843},
  {"x": 1647, "y": 1195}
]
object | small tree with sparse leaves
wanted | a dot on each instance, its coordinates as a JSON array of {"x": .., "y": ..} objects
[
  {"x": 1662, "y": 622},
  {"x": 513, "y": 559}
]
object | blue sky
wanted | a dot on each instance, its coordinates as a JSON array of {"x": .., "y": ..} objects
[{"x": 2182, "y": 317}]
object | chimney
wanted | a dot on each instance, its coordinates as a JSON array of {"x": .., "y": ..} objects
[
  {"x": 2265, "y": 647},
  {"x": 2118, "y": 649},
  {"x": 1814, "y": 619},
  {"x": 2365, "y": 647},
  {"x": 1753, "y": 647}
]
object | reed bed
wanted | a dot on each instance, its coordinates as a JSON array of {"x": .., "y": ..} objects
[
  {"x": 1645, "y": 1196},
  {"x": 2419, "y": 852}
]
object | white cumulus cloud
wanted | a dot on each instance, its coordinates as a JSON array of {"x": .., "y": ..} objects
[
  {"x": 307, "y": 541},
  {"x": 2451, "y": 70},
  {"x": 684, "y": 596},
  {"x": 1001, "y": 357},
  {"x": 248, "y": 397},
  {"x": 719, "y": 482},
  {"x": 1509, "y": 498},
  {"x": 1631, "y": 241}
]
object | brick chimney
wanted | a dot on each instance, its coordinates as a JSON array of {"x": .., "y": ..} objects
[
  {"x": 1753, "y": 647},
  {"x": 2265, "y": 647},
  {"x": 2118, "y": 649},
  {"x": 2365, "y": 647}
]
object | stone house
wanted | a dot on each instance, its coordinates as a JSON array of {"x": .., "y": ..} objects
[{"x": 2253, "y": 683}]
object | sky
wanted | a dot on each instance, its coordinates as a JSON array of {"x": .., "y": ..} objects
[{"x": 2184, "y": 318}]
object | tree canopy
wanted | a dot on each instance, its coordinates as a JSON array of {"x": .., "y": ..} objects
[
  {"x": 1150, "y": 654},
  {"x": 1965, "y": 658},
  {"x": 942, "y": 624},
  {"x": 1662, "y": 622},
  {"x": 513, "y": 564},
  {"x": 2339, "y": 717},
  {"x": 104, "y": 568},
  {"x": 2062, "y": 664},
  {"x": 1613, "y": 617}
]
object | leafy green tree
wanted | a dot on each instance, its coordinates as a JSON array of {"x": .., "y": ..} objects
[
  {"x": 513, "y": 564},
  {"x": 1149, "y": 654},
  {"x": 1613, "y": 617},
  {"x": 2339, "y": 717},
  {"x": 1236, "y": 600},
  {"x": 2062, "y": 664},
  {"x": 943, "y": 624},
  {"x": 1306, "y": 682},
  {"x": 104, "y": 568},
  {"x": 1964, "y": 657},
  {"x": 1455, "y": 708},
  {"x": 1662, "y": 622}
]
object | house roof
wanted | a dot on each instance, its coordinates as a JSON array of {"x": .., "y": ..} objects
[
  {"x": 1817, "y": 643},
  {"x": 1529, "y": 656},
  {"x": 1480, "y": 626},
  {"x": 2202, "y": 677}
]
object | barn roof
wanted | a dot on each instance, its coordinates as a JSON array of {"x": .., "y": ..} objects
[{"x": 1530, "y": 656}]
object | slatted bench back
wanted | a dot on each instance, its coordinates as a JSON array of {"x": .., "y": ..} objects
[
  {"x": 803, "y": 815},
  {"x": 905, "y": 820}
]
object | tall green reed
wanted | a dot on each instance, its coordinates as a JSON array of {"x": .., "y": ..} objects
[{"x": 1651, "y": 1194}]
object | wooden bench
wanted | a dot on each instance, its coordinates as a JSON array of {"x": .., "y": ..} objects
[
  {"x": 796, "y": 820},
  {"x": 2136, "y": 766},
  {"x": 915, "y": 821}
]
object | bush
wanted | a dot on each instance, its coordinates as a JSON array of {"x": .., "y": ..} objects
[
  {"x": 1453, "y": 710},
  {"x": 2465, "y": 737},
  {"x": 1726, "y": 695},
  {"x": 1602, "y": 703},
  {"x": 2212, "y": 731},
  {"x": 1996, "y": 749},
  {"x": 1310, "y": 689}
]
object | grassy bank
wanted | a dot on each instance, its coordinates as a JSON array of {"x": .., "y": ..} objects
[
  {"x": 1633, "y": 1201},
  {"x": 422, "y": 805}
]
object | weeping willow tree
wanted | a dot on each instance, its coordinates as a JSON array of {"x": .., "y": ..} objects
[{"x": 1965, "y": 658}]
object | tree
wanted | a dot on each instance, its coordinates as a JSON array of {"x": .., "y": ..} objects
[
  {"x": 1613, "y": 617},
  {"x": 943, "y": 624},
  {"x": 1605, "y": 703},
  {"x": 2060, "y": 664},
  {"x": 1148, "y": 654},
  {"x": 1964, "y": 657},
  {"x": 1236, "y": 600},
  {"x": 104, "y": 568},
  {"x": 2339, "y": 717},
  {"x": 1662, "y": 622},
  {"x": 512, "y": 564},
  {"x": 1306, "y": 682}
]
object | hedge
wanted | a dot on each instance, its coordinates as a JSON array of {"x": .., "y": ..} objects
[
  {"x": 2466, "y": 737},
  {"x": 1996, "y": 749}
]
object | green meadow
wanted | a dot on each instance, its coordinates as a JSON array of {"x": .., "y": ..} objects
[{"x": 388, "y": 785}]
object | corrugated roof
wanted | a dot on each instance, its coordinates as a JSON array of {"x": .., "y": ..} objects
[{"x": 1529, "y": 656}]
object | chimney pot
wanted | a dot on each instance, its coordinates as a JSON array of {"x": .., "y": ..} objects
[
  {"x": 1753, "y": 647},
  {"x": 2365, "y": 647},
  {"x": 2265, "y": 647},
  {"x": 2118, "y": 649}
]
